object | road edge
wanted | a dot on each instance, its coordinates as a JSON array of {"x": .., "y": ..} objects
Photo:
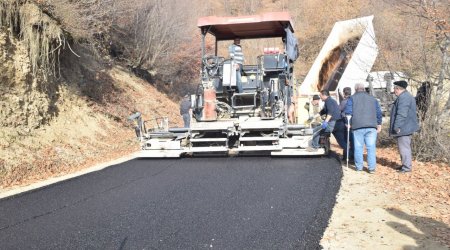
[{"x": 5, "y": 193}]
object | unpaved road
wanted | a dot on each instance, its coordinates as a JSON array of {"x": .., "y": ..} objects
[{"x": 198, "y": 203}]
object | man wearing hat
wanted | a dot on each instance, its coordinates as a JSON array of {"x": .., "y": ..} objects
[
  {"x": 314, "y": 118},
  {"x": 403, "y": 123}
]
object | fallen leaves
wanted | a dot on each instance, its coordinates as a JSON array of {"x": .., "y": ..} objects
[{"x": 424, "y": 193}]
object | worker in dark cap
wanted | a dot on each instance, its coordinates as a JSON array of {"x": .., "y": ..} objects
[
  {"x": 314, "y": 120},
  {"x": 185, "y": 110},
  {"x": 314, "y": 117},
  {"x": 403, "y": 123}
]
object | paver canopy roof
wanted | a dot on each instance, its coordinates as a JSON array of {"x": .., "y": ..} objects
[{"x": 266, "y": 25}]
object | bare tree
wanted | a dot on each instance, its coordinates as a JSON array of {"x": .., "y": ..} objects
[
  {"x": 157, "y": 31},
  {"x": 433, "y": 55},
  {"x": 83, "y": 19}
]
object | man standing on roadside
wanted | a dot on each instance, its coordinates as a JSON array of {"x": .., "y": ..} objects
[
  {"x": 185, "y": 108},
  {"x": 236, "y": 54},
  {"x": 403, "y": 123},
  {"x": 365, "y": 124},
  {"x": 340, "y": 129},
  {"x": 331, "y": 110}
]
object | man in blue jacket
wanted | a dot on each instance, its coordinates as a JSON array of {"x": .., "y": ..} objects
[
  {"x": 403, "y": 123},
  {"x": 340, "y": 129},
  {"x": 365, "y": 124}
]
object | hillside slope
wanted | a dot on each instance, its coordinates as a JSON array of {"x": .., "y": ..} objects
[{"x": 57, "y": 127}]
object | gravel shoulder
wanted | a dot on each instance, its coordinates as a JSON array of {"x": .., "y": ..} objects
[{"x": 388, "y": 210}]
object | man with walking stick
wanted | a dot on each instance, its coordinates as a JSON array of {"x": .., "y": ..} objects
[{"x": 366, "y": 124}]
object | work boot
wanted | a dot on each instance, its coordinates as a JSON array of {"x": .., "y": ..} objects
[
  {"x": 399, "y": 168},
  {"x": 311, "y": 149}
]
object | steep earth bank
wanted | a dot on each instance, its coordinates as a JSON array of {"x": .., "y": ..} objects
[{"x": 60, "y": 125}]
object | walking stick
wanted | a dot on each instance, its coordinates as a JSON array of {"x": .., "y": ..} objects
[{"x": 348, "y": 135}]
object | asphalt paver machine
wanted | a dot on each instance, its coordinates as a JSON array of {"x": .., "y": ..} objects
[{"x": 226, "y": 121}]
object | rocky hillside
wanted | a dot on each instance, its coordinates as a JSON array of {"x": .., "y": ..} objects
[
  {"x": 68, "y": 130},
  {"x": 58, "y": 119}
]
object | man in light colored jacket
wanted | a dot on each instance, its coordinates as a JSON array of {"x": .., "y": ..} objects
[
  {"x": 237, "y": 56},
  {"x": 403, "y": 123}
]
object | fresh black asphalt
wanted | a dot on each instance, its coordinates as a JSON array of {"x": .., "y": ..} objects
[{"x": 190, "y": 203}]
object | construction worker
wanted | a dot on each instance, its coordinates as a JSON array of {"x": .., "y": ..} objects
[
  {"x": 292, "y": 98},
  {"x": 314, "y": 117},
  {"x": 185, "y": 110},
  {"x": 236, "y": 54},
  {"x": 331, "y": 110}
]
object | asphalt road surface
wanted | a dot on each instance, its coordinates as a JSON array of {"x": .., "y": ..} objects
[{"x": 191, "y": 203}]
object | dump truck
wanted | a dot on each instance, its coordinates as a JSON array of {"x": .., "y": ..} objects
[
  {"x": 346, "y": 58},
  {"x": 380, "y": 84},
  {"x": 228, "y": 120}
]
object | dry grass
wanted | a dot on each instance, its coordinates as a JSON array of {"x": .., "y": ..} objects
[{"x": 83, "y": 134}]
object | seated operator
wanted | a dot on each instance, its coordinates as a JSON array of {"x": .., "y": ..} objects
[
  {"x": 315, "y": 119},
  {"x": 237, "y": 56}
]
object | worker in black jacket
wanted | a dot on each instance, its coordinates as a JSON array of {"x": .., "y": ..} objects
[{"x": 331, "y": 110}]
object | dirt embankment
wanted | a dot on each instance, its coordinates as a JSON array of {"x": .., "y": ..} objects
[
  {"x": 56, "y": 126},
  {"x": 26, "y": 101}
]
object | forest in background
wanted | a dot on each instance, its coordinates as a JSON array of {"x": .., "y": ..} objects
[{"x": 159, "y": 39}]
